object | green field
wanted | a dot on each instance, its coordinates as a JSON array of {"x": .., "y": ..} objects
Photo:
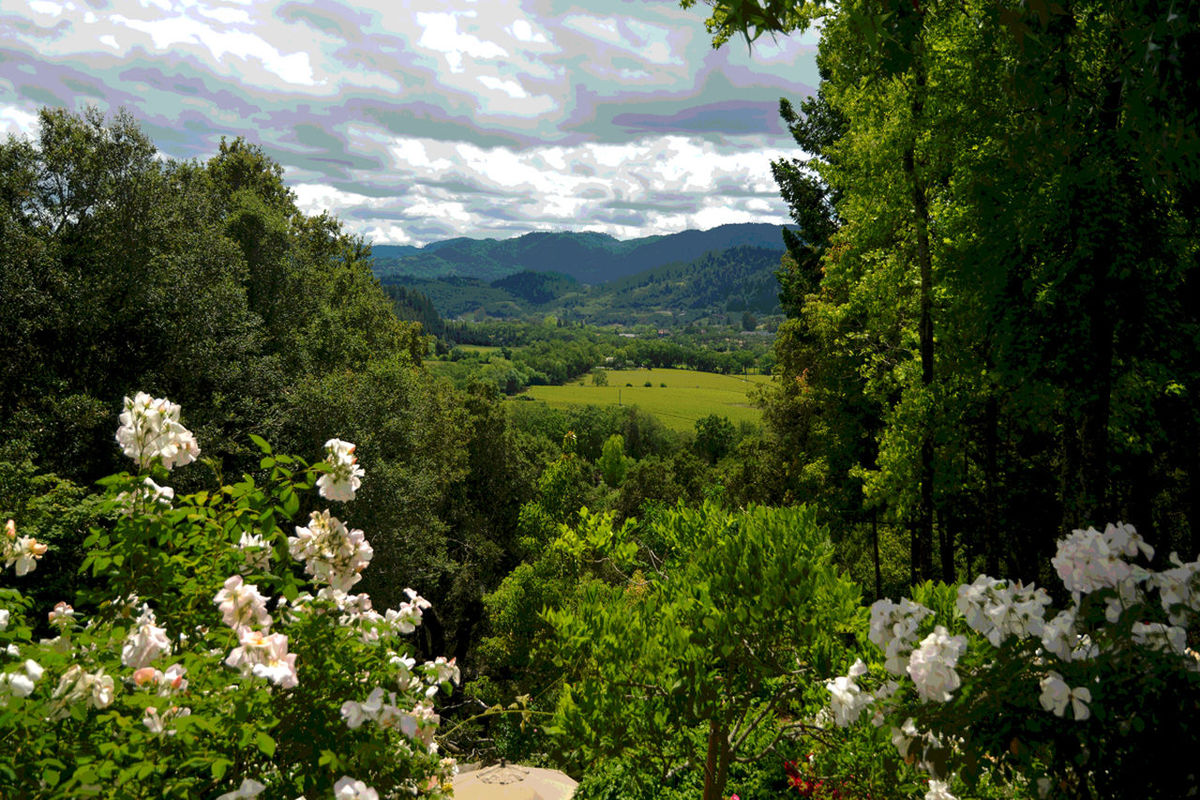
[{"x": 687, "y": 397}]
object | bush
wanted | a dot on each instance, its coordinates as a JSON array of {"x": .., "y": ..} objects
[{"x": 206, "y": 666}]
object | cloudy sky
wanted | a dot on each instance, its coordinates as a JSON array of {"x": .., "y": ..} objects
[{"x": 418, "y": 120}]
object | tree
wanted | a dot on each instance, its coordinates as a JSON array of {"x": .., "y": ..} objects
[
  {"x": 613, "y": 463},
  {"x": 1020, "y": 214},
  {"x": 722, "y": 641}
]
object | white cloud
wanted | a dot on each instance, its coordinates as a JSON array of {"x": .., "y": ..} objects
[
  {"x": 440, "y": 34},
  {"x": 667, "y": 183},
  {"x": 17, "y": 122}
]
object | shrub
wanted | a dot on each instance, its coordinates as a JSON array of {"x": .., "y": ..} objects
[{"x": 199, "y": 661}]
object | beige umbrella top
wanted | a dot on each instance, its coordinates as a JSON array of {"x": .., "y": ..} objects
[{"x": 513, "y": 782}]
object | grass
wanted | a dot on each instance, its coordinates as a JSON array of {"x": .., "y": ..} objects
[{"x": 687, "y": 396}]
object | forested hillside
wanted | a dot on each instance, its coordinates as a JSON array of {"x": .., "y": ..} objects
[
  {"x": 587, "y": 257},
  {"x": 733, "y": 280}
]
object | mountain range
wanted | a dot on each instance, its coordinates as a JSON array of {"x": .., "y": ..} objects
[
  {"x": 589, "y": 258},
  {"x": 591, "y": 277}
]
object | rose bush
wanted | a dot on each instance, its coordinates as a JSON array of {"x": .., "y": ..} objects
[
  {"x": 979, "y": 681},
  {"x": 212, "y": 654}
]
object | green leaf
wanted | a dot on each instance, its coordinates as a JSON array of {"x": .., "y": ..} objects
[
  {"x": 219, "y": 767},
  {"x": 265, "y": 743},
  {"x": 261, "y": 443}
]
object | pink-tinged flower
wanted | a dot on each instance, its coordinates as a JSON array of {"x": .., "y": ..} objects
[
  {"x": 266, "y": 656},
  {"x": 241, "y": 605},
  {"x": 145, "y": 641},
  {"x": 166, "y": 683},
  {"x": 22, "y": 551},
  {"x": 150, "y": 430},
  {"x": 159, "y": 724},
  {"x": 61, "y": 615},
  {"x": 345, "y": 476},
  {"x": 931, "y": 666}
]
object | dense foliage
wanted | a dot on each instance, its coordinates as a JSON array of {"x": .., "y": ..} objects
[{"x": 993, "y": 333}]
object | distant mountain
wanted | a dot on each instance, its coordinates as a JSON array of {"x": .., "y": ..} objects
[
  {"x": 727, "y": 281},
  {"x": 589, "y": 258}
]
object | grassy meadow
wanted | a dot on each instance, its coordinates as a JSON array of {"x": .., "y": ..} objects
[{"x": 687, "y": 396}]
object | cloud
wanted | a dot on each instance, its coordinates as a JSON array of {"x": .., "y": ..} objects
[{"x": 427, "y": 118}]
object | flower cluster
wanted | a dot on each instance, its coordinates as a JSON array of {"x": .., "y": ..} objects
[
  {"x": 150, "y": 430},
  {"x": 344, "y": 475},
  {"x": 19, "y": 683},
  {"x": 1096, "y": 568},
  {"x": 332, "y": 553},
  {"x": 931, "y": 666},
  {"x": 20, "y": 551},
  {"x": 259, "y": 652},
  {"x": 894, "y": 630},
  {"x": 80, "y": 686},
  {"x": 997, "y": 610},
  {"x": 120, "y": 659},
  {"x": 145, "y": 641}
]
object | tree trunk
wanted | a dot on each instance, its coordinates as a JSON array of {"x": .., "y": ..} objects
[
  {"x": 923, "y": 549},
  {"x": 716, "y": 763}
]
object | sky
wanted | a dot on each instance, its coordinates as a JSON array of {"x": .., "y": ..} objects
[{"x": 419, "y": 120}]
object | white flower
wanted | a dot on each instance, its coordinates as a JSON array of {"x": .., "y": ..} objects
[
  {"x": 159, "y": 723},
  {"x": 256, "y": 553},
  {"x": 441, "y": 670},
  {"x": 21, "y": 683},
  {"x": 249, "y": 788},
  {"x": 266, "y": 656},
  {"x": 149, "y": 497},
  {"x": 3, "y": 618},
  {"x": 997, "y": 610},
  {"x": 22, "y": 551},
  {"x": 894, "y": 628},
  {"x": 939, "y": 790},
  {"x": 349, "y": 789},
  {"x": 846, "y": 698},
  {"x": 1157, "y": 636},
  {"x": 406, "y": 618},
  {"x": 150, "y": 429},
  {"x": 145, "y": 641},
  {"x": 242, "y": 605},
  {"x": 904, "y": 736},
  {"x": 331, "y": 552},
  {"x": 1056, "y": 695},
  {"x": 1059, "y": 636},
  {"x": 1089, "y": 560},
  {"x": 1178, "y": 589},
  {"x": 345, "y": 476},
  {"x": 94, "y": 688},
  {"x": 931, "y": 666}
]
